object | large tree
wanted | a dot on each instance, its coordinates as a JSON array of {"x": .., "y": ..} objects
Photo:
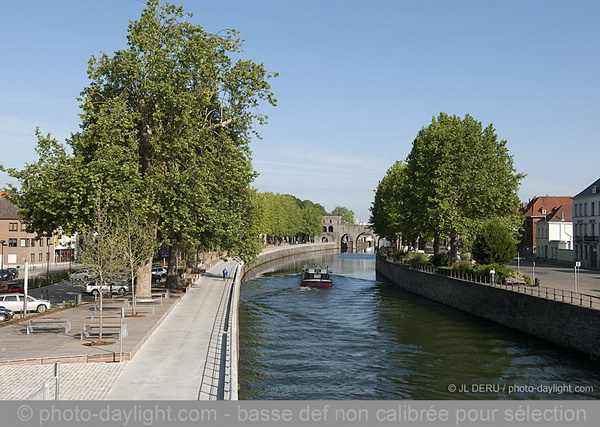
[
  {"x": 458, "y": 175},
  {"x": 389, "y": 213},
  {"x": 171, "y": 115}
]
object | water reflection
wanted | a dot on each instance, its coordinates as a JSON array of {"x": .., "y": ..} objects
[{"x": 362, "y": 339}]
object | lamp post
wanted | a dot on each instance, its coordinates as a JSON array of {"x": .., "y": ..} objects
[
  {"x": 48, "y": 261},
  {"x": 2, "y": 243},
  {"x": 577, "y": 268}
]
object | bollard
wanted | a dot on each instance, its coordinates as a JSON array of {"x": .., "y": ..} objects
[{"x": 78, "y": 299}]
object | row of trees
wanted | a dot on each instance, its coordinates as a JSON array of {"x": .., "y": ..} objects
[
  {"x": 283, "y": 217},
  {"x": 165, "y": 130},
  {"x": 457, "y": 179}
]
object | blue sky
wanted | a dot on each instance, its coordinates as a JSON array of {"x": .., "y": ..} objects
[{"x": 358, "y": 79}]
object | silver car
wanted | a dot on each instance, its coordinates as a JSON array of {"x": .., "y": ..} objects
[
  {"x": 14, "y": 302},
  {"x": 83, "y": 274}
]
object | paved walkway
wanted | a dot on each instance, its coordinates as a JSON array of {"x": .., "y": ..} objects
[
  {"x": 170, "y": 364},
  {"x": 170, "y": 343}
]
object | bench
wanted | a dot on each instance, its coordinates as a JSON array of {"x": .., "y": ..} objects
[
  {"x": 149, "y": 300},
  {"x": 107, "y": 329},
  {"x": 515, "y": 281},
  {"x": 111, "y": 306},
  {"x": 48, "y": 324}
]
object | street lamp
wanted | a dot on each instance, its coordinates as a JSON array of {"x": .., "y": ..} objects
[
  {"x": 2, "y": 243},
  {"x": 48, "y": 261}
]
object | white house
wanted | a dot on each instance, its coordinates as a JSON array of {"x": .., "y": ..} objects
[
  {"x": 586, "y": 225},
  {"x": 555, "y": 235}
]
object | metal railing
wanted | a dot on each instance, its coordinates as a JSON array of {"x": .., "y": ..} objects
[
  {"x": 219, "y": 378},
  {"x": 554, "y": 294}
]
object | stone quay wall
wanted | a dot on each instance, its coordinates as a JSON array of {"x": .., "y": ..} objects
[{"x": 568, "y": 325}]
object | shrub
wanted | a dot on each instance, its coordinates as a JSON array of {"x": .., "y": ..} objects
[
  {"x": 495, "y": 244},
  {"x": 415, "y": 259},
  {"x": 463, "y": 267},
  {"x": 502, "y": 271},
  {"x": 440, "y": 260}
]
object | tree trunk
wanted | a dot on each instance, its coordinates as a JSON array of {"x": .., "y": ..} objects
[
  {"x": 436, "y": 244},
  {"x": 172, "y": 277},
  {"x": 144, "y": 280},
  {"x": 453, "y": 248}
]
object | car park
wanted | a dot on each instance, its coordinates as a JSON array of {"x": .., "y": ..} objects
[
  {"x": 5, "y": 314},
  {"x": 14, "y": 302},
  {"x": 92, "y": 288},
  {"x": 11, "y": 288}
]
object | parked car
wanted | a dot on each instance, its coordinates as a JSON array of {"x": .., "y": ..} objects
[
  {"x": 5, "y": 314},
  {"x": 11, "y": 288},
  {"x": 14, "y": 302},
  {"x": 83, "y": 274},
  {"x": 159, "y": 271},
  {"x": 6, "y": 274},
  {"x": 116, "y": 288}
]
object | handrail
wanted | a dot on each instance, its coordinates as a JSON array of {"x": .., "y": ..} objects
[
  {"x": 220, "y": 367},
  {"x": 553, "y": 294}
]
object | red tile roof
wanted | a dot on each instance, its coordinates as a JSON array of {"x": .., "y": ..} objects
[
  {"x": 563, "y": 213},
  {"x": 549, "y": 204}
]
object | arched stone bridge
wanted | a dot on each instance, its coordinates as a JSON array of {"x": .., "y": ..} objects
[{"x": 349, "y": 237}]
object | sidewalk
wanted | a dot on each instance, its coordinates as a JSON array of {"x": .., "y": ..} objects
[
  {"x": 171, "y": 343},
  {"x": 170, "y": 364}
]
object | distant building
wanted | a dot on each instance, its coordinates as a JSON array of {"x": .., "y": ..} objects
[
  {"x": 536, "y": 210},
  {"x": 555, "y": 236},
  {"x": 16, "y": 243},
  {"x": 586, "y": 224}
]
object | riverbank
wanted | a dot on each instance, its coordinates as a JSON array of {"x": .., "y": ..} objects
[{"x": 569, "y": 325}]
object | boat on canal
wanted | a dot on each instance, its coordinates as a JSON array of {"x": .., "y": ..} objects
[{"x": 316, "y": 276}]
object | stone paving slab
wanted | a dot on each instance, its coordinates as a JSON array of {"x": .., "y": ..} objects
[{"x": 78, "y": 381}]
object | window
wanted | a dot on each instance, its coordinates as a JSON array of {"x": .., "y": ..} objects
[
  {"x": 11, "y": 298},
  {"x": 41, "y": 257},
  {"x": 24, "y": 243},
  {"x": 593, "y": 213},
  {"x": 585, "y": 209},
  {"x": 41, "y": 243},
  {"x": 23, "y": 226},
  {"x": 12, "y": 243},
  {"x": 13, "y": 226},
  {"x": 32, "y": 257},
  {"x": 33, "y": 243}
]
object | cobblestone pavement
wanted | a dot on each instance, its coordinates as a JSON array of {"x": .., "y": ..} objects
[{"x": 78, "y": 381}]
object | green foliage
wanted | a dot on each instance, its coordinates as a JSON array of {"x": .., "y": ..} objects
[
  {"x": 166, "y": 121},
  {"x": 346, "y": 214},
  {"x": 440, "y": 260},
  {"x": 494, "y": 244},
  {"x": 501, "y": 271},
  {"x": 463, "y": 267},
  {"x": 457, "y": 176},
  {"x": 416, "y": 259},
  {"x": 283, "y": 215},
  {"x": 388, "y": 212}
]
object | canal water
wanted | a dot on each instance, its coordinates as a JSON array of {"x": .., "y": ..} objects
[{"x": 364, "y": 339}]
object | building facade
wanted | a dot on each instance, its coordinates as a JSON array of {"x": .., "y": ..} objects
[
  {"x": 555, "y": 236},
  {"x": 16, "y": 244},
  {"x": 536, "y": 210},
  {"x": 586, "y": 226}
]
